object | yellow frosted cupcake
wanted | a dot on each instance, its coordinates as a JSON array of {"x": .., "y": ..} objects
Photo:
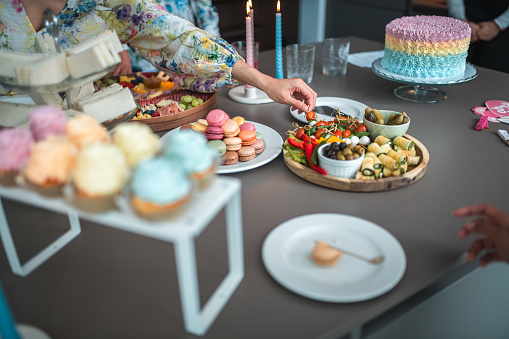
[
  {"x": 84, "y": 130},
  {"x": 137, "y": 141},
  {"x": 50, "y": 164},
  {"x": 100, "y": 173}
]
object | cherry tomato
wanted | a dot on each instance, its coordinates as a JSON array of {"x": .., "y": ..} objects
[
  {"x": 338, "y": 134},
  {"x": 319, "y": 133},
  {"x": 310, "y": 116},
  {"x": 351, "y": 127},
  {"x": 361, "y": 128},
  {"x": 347, "y": 133},
  {"x": 321, "y": 123},
  {"x": 300, "y": 133}
]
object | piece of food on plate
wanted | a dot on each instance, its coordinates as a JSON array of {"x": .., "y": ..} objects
[
  {"x": 163, "y": 195},
  {"x": 15, "y": 147},
  {"x": 324, "y": 255},
  {"x": 233, "y": 144},
  {"x": 248, "y": 137},
  {"x": 230, "y": 128},
  {"x": 46, "y": 121},
  {"x": 230, "y": 158},
  {"x": 50, "y": 164},
  {"x": 219, "y": 146},
  {"x": 217, "y": 117},
  {"x": 84, "y": 130},
  {"x": 137, "y": 141},
  {"x": 259, "y": 146},
  {"x": 246, "y": 153}
]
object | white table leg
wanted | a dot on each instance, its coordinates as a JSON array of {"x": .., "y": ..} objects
[
  {"x": 198, "y": 321},
  {"x": 42, "y": 256}
]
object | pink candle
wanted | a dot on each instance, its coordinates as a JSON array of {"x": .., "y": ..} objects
[{"x": 249, "y": 37}]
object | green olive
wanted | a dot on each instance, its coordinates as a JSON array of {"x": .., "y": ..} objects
[{"x": 340, "y": 156}]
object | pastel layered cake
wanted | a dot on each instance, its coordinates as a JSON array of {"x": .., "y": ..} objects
[{"x": 426, "y": 46}]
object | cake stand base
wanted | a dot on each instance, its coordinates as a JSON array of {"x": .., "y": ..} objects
[
  {"x": 248, "y": 95},
  {"x": 419, "y": 93}
]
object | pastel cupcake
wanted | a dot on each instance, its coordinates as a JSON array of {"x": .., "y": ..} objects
[
  {"x": 137, "y": 141},
  {"x": 46, "y": 121},
  {"x": 15, "y": 147},
  {"x": 84, "y": 130},
  {"x": 100, "y": 174},
  {"x": 163, "y": 195},
  {"x": 196, "y": 156},
  {"x": 50, "y": 165}
]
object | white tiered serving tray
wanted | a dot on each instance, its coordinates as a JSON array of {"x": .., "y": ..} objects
[{"x": 182, "y": 231}]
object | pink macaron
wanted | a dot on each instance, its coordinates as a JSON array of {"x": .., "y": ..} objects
[
  {"x": 259, "y": 146},
  {"x": 214, "y": 133},
  {"x": 247, "y": 126},
  {"x": 217, "y": 117}
]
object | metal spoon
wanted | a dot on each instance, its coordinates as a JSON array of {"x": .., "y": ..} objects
[
  {"x": 328, "y": 110},
  {"x": 376, "y": 260}
]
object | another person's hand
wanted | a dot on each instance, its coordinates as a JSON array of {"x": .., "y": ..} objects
[
  {"x": 487, "y": 30},
  {"x": 494, "y": 225},
  {"x": 475, "y": 29},
  {"x": 124, "y": 67}
]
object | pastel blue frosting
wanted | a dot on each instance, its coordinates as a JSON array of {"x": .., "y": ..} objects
[
  {"x": 160, "y": 180},
  {"x": 421, "y": 66},
  {"x": 191, "y": 150}
]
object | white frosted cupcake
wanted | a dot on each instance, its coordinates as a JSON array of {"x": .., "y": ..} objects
[
  {"x": 196, "y": 156},
  {"x": 100, "y": 173},
  {"x": 137, "y": 141}
]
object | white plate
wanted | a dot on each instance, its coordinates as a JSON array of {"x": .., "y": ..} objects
[
  {"x": 286, "y": 253},
  {"x": 273, "y": 146},
  {"x": 348, "y": 106}
]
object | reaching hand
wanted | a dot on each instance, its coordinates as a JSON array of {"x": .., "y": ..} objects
[
  {"x": 293, "y": 92},
  {"x": 124, "y": 67},
  {"x": 475, "y": 29},
  {"x": 487, "y": 30},
  {"x": 494, "y": 225}
]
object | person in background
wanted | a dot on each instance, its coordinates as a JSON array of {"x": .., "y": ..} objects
[
  {"x": 199, "y": 12},
  {"x": 488, "y": 20},
  {"x": 196, "y": 59},
  {"x": 494, "y": 225}
]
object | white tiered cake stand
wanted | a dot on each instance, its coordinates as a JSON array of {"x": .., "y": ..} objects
[{"x": 421, "y": 90}]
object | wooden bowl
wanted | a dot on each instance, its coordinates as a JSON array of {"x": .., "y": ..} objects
[{"x": 168, "y": 122}]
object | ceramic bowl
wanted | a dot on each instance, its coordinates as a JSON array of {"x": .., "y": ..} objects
[
  {"x": 388, "y": 131},
  {"x": 339, "y": 168}
]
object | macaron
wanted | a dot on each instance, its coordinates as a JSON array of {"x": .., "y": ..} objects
[
  {"x": 259, "y": 146},
  {"x": 199, "y": 127},
  {"x": 248, "y": 137},
  {"x": 247, "y": 126},
  {"x": 239, "y": 120},
  {"x": 186, "y": 126},
  {"x": 230, "y": 158},
  {"x": 203, "y": 122},
  {"x": 233, "y": 144},
  {"x": 246, "y": 153},
  {"x": 214, "y": 133},
  {"x": 230, "y": 128},
  {"x": 219, "y": 146},
  {"x": 259, "y": 135},
  {"x": 217, "y": 117}
]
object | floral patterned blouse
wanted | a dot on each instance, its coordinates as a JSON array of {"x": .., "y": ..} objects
[
  {"x": 200, "y": 12},
  {"x": 197, "y": 59}
]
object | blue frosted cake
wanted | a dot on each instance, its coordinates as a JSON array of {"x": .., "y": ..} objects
[{"x": 426, "y": 46}]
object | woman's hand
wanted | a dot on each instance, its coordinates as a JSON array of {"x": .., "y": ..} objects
[
  {"x": 293, "y": 92},
  {"x": 488, "y": 30},
  {"x": 494, "y": 225},
  {"x": 124, "y": 67},
  {"x": 475, "y": 29}
]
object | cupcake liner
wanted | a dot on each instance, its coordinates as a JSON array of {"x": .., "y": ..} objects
[
  {"x": 8, "y": 178},
  {"x": 86, "y": 203},
  {"x": 203, "y": 180},
  {"x": 157, "y": 212}
]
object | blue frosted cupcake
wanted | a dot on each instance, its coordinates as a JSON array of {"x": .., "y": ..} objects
[
  {"x": 160, "y": 188},
  {"x": 198, "y": 159}
]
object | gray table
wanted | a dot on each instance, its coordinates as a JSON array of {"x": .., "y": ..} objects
[{"x": 111, "y": 284}]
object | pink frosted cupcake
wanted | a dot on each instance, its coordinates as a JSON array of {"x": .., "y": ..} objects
[
  {"x": 15, "y": 147},
  {"x": 46, "y": 121}
]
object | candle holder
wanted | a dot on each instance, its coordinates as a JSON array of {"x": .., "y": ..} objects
[{"x": 250, "y": 95}]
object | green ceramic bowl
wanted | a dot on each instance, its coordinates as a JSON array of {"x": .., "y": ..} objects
[{"x": 388, "y": 131}]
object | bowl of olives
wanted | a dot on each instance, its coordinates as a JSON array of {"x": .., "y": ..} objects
[
  {"x": 390, "y": 124},
  {"x": 340, "y": 160}
]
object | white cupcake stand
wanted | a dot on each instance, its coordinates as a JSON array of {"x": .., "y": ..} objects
[{"x": 182, "y": 231}]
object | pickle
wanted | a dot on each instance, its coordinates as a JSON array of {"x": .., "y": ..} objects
[
  {"x": 379, "y": 117},
  {"x": 397, "y": 121},
  {"x": 370, "y": 116},
  {"x": 405, "y": 120}
]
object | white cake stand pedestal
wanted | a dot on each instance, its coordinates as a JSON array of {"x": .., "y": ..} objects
[
  {"x": 422, "y": 90},
  {"x": 246, "y": 94}
]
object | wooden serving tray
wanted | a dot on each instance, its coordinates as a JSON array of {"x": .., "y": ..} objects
[{"x": 413, "y": 174}]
